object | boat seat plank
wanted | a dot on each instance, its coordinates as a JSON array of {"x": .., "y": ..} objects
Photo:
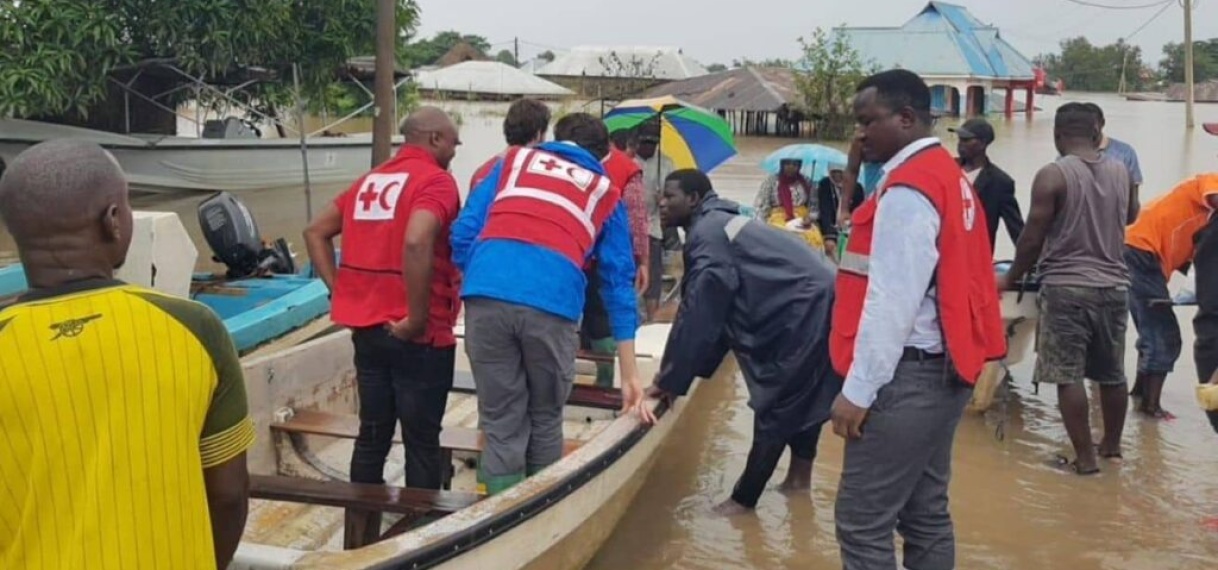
[
  {"x": 380, "y": 498},
  {"x": 346, "y": 426},
  {"x": 582, "y": 395},
  {"x": 452, "y": 438}
]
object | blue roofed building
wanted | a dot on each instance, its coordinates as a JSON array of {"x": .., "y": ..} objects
[{"x": 962, "y": 59}]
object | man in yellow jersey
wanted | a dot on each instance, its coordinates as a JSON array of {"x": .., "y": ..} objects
[{"x": 123, "y": 418}]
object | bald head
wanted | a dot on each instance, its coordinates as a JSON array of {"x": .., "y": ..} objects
[
  {"x": 430, "y": 128},
  {"x": 67, "y": 198}
]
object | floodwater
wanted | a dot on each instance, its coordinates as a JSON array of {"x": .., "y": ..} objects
[{"x": 1156, "y": 510}]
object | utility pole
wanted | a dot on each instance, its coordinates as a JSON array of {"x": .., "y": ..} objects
[
  {"x": 516, "y": 51},
  {"x": 1188, "y": 63},
  {"x": 384, "y": 102}
]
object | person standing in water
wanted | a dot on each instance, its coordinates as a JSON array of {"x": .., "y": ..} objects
[
  {"x": 995, "y": 188},
  {"x": 522, "y": 242},
  {"x": 915, "y": 319},
  {"x": 656, "y": 168},
  {"x": 831, "y": 195},
  {"x": 1158, "y": 244},
  {"x": 1076, "y": 231},
  {"x": 1117, "y": 150},
  {"x": 763, "y": 294},
  {"x": 123, "y": 412}
]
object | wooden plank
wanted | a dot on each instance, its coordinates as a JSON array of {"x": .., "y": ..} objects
[
  {"x": 581, "y": 394},
  {"x": 347, "y": 426},
  {"x": 381, "y": 498}
]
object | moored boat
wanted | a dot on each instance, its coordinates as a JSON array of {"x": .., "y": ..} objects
[
  {"x": 305, "y": 396},
  {"x": 261, "y": 298},
  {"x": 1019, "y": 315}
]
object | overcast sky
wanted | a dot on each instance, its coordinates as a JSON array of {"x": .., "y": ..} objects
[{"x": 759, "y": 29}]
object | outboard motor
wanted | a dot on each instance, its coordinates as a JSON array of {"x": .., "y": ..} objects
[{"x": 234, "y": 240}]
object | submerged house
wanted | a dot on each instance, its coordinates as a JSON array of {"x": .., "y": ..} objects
[
  {"x": 962, "y": 59},
  {"x": 616, "y": 72},
  {"x": 753, "y": 100},
  {"x": 486, "y": 80}
]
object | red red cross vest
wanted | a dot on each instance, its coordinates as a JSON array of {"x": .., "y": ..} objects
[
  {"x": 620, "y": 168},
  {"x": 966, "y": 290},
  {"x": 550, "y": 202},
  {"x": 369, "y": 289}
]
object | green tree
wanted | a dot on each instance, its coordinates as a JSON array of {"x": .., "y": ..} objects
[
  {"x": 826, "y": 77},
  {"x": 1205, "y": 61},
  {"x": 58, "y": 55},
  {"x": 768, "y": 62},
  {"x": 428, "y": 51},
  {"x": 505, "y": 56},
  {"x": 1087, "y": 67},
  {"x": 546, "y": 55},
  {"x": 716, "y": 67}
]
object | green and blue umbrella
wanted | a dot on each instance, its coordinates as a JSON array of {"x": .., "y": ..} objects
[{"x": 690, "y": 136}]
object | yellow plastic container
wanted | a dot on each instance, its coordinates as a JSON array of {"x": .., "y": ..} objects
[{"x": 1207, "y": 396}]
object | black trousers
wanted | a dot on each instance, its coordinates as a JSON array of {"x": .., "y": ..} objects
[
  {"x": 763, "y": 459},
  {"x": 400, "y": 382}
]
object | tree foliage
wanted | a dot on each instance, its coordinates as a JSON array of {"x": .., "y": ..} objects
[
  {"x": 58, "y": 53},
  {"x": 546, "y": 55},
  {"x": 716, "y": 67},
  {"x": 826, "y": 77},
  {"x": 768, "y": 62},
  {"x": 1205, "y": 61},
  {"x": 429, "y": 51},
  {"x": 506, "y": 56},
  {"x": 1087, "y": 67}
]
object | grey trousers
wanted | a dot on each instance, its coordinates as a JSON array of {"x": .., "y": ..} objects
[
  {"x": 896, "y": 476},
  {"x": 523, "y": 362}
]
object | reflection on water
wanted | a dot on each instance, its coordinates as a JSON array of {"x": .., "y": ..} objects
[{"x": 1011, "y": 511}]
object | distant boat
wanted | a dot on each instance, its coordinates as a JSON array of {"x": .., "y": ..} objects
[
  {"x": 228, "y": 157},
  {"x": 1204, "y": 92},
  {"x": 262, "y": 297}
]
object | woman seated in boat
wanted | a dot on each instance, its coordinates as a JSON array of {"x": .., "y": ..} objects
[{"x": 788, "y": 200}]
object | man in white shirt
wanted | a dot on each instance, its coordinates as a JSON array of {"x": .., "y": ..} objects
[{"x": 916, "y": 317}]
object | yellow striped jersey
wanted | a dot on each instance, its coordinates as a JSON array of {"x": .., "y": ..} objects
[{"x": 113, "y": 400}]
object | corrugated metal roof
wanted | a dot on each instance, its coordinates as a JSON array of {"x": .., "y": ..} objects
[
  {"x": 591, "y": 61},
  {"x": 487, "y": 77},
  {"x": 943, "y": 39},
  {"x": 741, "y": 89}
]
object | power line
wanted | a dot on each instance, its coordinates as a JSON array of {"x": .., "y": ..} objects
[
  {"x": 1166, "y": 5},
  {"x": 1119, "y": 7}
]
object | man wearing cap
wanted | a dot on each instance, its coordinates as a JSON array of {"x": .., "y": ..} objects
[{"x": 994, "y": 187}]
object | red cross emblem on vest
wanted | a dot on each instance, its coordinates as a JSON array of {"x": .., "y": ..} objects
[
  {"x": 378, "y": 196},
  {"x": 554, "y": 167}
]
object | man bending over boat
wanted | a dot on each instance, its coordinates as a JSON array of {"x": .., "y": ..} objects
[
  {"x": 764, "y": 294},
  {"x": 123, "y": 414},
  {"x": 396, "y": 289},
  {"x": 522, "y": 241}
]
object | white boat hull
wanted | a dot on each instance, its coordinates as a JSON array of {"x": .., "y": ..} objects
[
  {"x": 558, "y": 518},
  {"x": 1019, "y": 315},
  {"x": 177, "y": 164}
]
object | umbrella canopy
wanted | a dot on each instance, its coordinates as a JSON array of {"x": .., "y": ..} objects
[
  {"x": 689, "y": 135},
  {"x": 816, "y": 158}
]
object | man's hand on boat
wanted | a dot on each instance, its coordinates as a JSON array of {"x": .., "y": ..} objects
[
  {"x": 848, "y": 419},
  {"x": 633, "y": 400},
  {"x": 407, "y": 328}
]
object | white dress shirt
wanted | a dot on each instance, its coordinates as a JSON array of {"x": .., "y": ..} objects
[{"x": 900, "y": 309}]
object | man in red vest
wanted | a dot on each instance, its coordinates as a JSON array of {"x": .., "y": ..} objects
[
  {"x": 916, "y": 317},
  {"x": 595, "y": 330},
  {"x": 396, "y": 289}
]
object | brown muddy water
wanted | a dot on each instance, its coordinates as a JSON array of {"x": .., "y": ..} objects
[{"x": 1156, "y": 510}]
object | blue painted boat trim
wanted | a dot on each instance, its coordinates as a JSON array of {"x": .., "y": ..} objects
[
  {"x": 305, "y": 299},
  {"x": 278, "y": 317}
]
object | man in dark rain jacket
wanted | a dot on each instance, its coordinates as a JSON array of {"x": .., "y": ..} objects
[{"x": 767, "y": 296}]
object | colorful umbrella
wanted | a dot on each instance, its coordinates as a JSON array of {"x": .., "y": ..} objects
[
  {"x": 689, "y": 135},
  {"x": 816, "y": 158}
]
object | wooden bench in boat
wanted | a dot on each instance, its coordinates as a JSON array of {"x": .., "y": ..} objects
[
  {"x": 346, "y": 426},
  {"x": 365, "y": 502},
  {"x": 583, "y": 395}
]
